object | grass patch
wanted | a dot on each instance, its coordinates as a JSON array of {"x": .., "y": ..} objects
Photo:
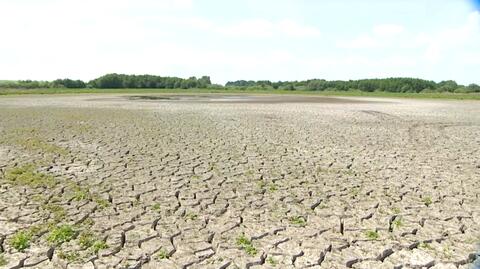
[
  {"x": 36, "y": 144},
  {"x": 272, "y": 261},
  {"x": 156, "y": 207},
  {"x": 70, "y": 256},
  {"x": 102, "y": 203},
  {"x": 244, "y": 243},
  {"x": 3, "y": 260},
  {"x": 80, "y": 194},
  {"x": 99, "y": 245},
  {"x": 86, "y": 240},
  {"x": 61, "y": 234},
  {"x": 162, "y": 254},
  {"x": 21, "y": 240},
  {"x": 28, "y": 176},
  {"x": 57, "y": 211},
  {"x": 372, "y": 235},
  {"x": 298, "y": 220}
]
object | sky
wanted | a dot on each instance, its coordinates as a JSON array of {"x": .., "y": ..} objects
[{"x": 249, "y": 39}]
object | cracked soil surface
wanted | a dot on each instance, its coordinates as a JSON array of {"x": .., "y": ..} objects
[{"x": 224, "y": 181}]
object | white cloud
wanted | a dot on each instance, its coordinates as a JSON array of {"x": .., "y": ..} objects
[
  {"x": 380, "y": 36},
  {"x": 262, "y": 28},
  {"x": 451, "y": 40},
  {"x": 388, "y": 29}
]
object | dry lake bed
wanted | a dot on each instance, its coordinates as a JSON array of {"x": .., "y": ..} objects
[{"x": 238, "y": 181}]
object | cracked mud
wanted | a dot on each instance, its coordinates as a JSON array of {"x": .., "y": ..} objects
[{"x": 124, "y": 181}]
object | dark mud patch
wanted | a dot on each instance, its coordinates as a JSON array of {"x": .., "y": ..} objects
[{"x": 248, "y": 99}]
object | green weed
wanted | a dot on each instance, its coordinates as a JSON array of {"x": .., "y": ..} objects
[
  {"x": 427, "y": 200},
  {"x": 372, "y": 235},
  {"x": 246, "y": 245},
  {"x": 156, "y": 207},
  {"x": 162, "y": 254},
  {"x": 272, "y": 261},
  {"x": 86, "y": 240},
  {"x": 99, "y": 245},
  {"x": 298, "y": 220},
  {"x": 3, "y": 260},
  {"x": 21, "y": 240},
  {"x": 70, "y": 256},
  {"x": 61, "y": 234}
]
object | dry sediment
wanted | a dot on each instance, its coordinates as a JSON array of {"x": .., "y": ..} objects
[{"x": 212, "y": 181}]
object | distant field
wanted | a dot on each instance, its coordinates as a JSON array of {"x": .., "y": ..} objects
[{"x": 457, "y": 96}]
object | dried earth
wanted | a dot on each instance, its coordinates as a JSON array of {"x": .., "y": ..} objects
[{"x": 236, "y": 181}]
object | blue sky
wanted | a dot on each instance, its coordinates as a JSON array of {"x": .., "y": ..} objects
[{"x": 230, "y": 40}]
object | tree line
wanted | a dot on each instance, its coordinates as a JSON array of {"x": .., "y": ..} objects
[
  {"x": 405, "y": 85},
  {"x": 117, "y": 81}
]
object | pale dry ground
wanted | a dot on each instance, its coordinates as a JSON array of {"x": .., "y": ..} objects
[{"x": 238, "y": 182}]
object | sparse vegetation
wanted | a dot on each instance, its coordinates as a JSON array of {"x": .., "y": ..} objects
[
  {"x": 272, "y": 261},
  {"x": 36, "y": 144},
  {"x": 80, "y": 194},
  {"x": 99, "y": 245},
  {"x": 70, "y": 256},
  {"x": 396, "y": 210},
  {"x": 397, "y": 222},
  {"x": 61, "y": 234},
  {"x": 298, "y": 220},
  {"x": 86, "y": 240},
  {"x": 21, "y": 240},
  {"x": 273, "y": 187},
  {"x": 372, "y": 235},
  {"x": 162, "y": 254},
  {"x": 427, "y": 200},
  {"x": 57, "y": 211},
  {"x": 426, "y": 246},
  {"x": 191, "y": 216},
  {"x": 102, "y": 203},
  {"x": 3, "y": 260},
  {"x": 28, "y": 176},
  {"x": 244, "y": 243},
  {"x": 156, "y": 207}
]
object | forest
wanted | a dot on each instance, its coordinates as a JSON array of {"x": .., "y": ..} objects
[{"x": 123, "y": 81}]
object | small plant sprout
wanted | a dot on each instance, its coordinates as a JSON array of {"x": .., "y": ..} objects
[
  {"x": 372, "y": 235},
  {"x": 272, "y": 261},
  {"x": 99, "y": 245},
  {"x": 298, "y": 220},
  {"x": 427, "y": 200},
  {"x": 425, "y": 245},
  {"x": 162, "y": 254},
  {"x": 244, "y": 243},
  {"x": 156, "y": 207},
  {"x": 397, "y": 222}
]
